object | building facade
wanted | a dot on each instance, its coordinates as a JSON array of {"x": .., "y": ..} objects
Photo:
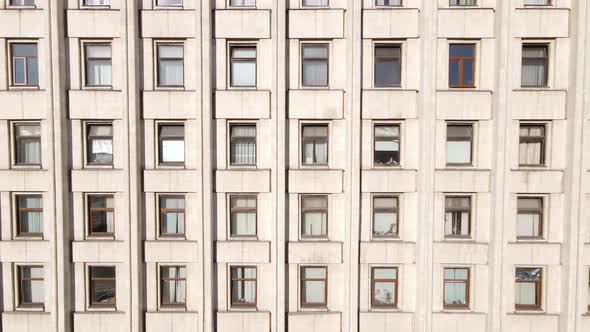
[{"x": 296, "y": 165}]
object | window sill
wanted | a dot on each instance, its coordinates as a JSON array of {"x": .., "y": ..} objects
[
  {"x": 27, "y": 167},
  {"x": 180, "y": 237},
  {"x": 386, "y": 239},
  {"x": 529, "y": 312},
  {"x": 24, "y": 88},
  {"x": 90, "y": 166},
  {"x": 385, "y": 167},
  {"x": 28, "y": 238},
  {"x": 171, "y": 166},
  {"x": 30, "y": 308},
  {"x": 98, "y": 308},
  {"x": 100, "y": 238},
  {"x": 242, "y": 167},
  {"x": 458, "y": 239},
  {"x": 11, "y": 7},
  {"x": 172, "y": 307},
  {"x": 244, "y": 238},
  {"x": 170, "y": 88},
  {"x": 99, "y": 88}
]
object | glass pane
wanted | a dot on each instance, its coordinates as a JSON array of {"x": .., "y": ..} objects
[
  {"x": 171, "y": 51},
  {"x": 458, "y": 152},
  {"x": 169, "y": 2},
  {"x": 243, "y": 223},
  {"x": 243, "y": 52},
  {"x": 459, "y": 131},
  {"x": 100, "y": 201},
  {"x": 385, "y": 223},
  {"x": 32, "y": 71},
  {"x": 453, "y": 72},
  {"x": 22, "y": 2},
  {"x": 173, "y": 291},
  {"x": 102, "y": 222},
  {"x": 28, "y": 151},
  {"x": 172, "y": 151},
  {"x": 533, "y": 72},
  {"x": 463, "y": 2},
  {"x": 458, "y": 273},
  {"x": 528, "y": 225},
  {"x": 176, "y": 131},
  {"x": 385, "y": 203},
  {"x": 243, "y": 73},
  {"x": 173, "y": 272},
  {"x": 387, "y": 72},
  {"x": 32, "y": 291},
  {"x": 31, "y": 272},
  {"x": 97, "y": 2},
  {"x": 18, "y": 71},
  {"x": 98, "y": 72},
  {"x": 243, "y": 152},
  {"x": 171, "y": 73},
  {"x": 457, "y": 202},
  {"x": 530, "y": 153},
  {"x": 315, "y": 72},
  {"x": 243, "y": 291},
  {"x": 98, "y": 51},
  {"x": 315, "y": 51},
  {"x": 388, "y": 51},
  {"x": 102, "y": 271},
  {"x": 384, "y": 293},
  {"x": 314, "y": 202},
  {"x": 172, "y": 223},
  {"x": 243, "y": 131},
  {"x": 242, "y": 2},
  {"x": 461, "y": 50},
  {"x": 387, "y": 131},
  {"x": 388, "y": 2},
  {"x": 315, "y": 131},
  {"x": 530, "y": 203},
  {"x": 101, "y": 151},
  {"x": 104, "y": 291},
  {"x": 24, "y": 49},
  {"x": 468, "y": 72},
  {"x": 537, "y": 2},
  {"x": 314, "y": 292},
  {"x": 171, "y": 202},
  {"x": 314, "y": 224},
  {"x": 314, "y": 272},
  {"x": 528, "y": 273},
  {"x": 100, "y": 130},
  {"x": 526, "y": 293},
  {"x": 315, "y": 152},
  {"x": 455, "y": 293},
  {"x": 384, "y": 273},
  {"x": 315, "y": 2}
]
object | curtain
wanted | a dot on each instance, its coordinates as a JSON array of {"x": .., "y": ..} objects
[
  {"x": 97, "y": 2},
  {"x": 528, "y": 224},
  {"x": 171, "y": 72},
  {"x": 314, "y": 224},
  {"x": 243, "y": 151},
  {"x": 385, "y": 223},
  {"x": 99, "y": 72},
  {"x": 314, "y": 291},
  {"x": 32, "y": 221},
  {"x": 533, "y": 72},
  {"x": 526, "y": 293},
  {"x": 458, "y": 152},
  {"x": 243, "y": 223},
  {"x": 173, "y": 223},
  {"x": 22, "y": 2},
  {"x": 387, "y": 72},
  {"x": 29, "y": 151},
  {"x": 457, "y": 223},
  {"x": 173, "y": 291},
  {"x": 243, "y": 73},
  {"x": 529, "y": 153},
  {"x": 388, "y": 2},
  {"x": 315, "y": 72}
]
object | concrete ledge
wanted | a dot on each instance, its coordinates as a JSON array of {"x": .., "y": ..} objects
[
  {"x": 533, "y": 253},
  {"x": 458, "y": 105},
  {"x": 24, "y": 180},
  {"x": 26, "y": 321},
  {"x": 390, "y": 104},
  {"x": 317, "y": 252},
  {"x": 540, "y": 22},
  {"x": 387, "y": 252},
  {"x": 170, "y": 105},
  {"x": 243, "y": 23},
  {"x": 251, "y": 181},
  {"x": 243, "y": 252},
  {"x": 242, "y": 104},
  {"x": 536, "y": 181},
  {"x": 98, "y": 180},
  {"x": 243, "y": 321},
  {"x": 539, "y": 104},
  {"x": 170, "y": 180},
  {"x": 467, "y": 180},
  {"x": 171, "y": 251},
  {"x": 460, "y": 253},
  {"x": 90, "y": 321},
  {"x": 388, "y": 180},
  {"x": 98, "y": 251},
  {"x": 96, "y": 104},
  {"x": 25, "y": 251},
  {"x": 466, "y": 23},
  {"x": 385, "y": 23},
  {"x": 316, "y": 24},
  {"x": 25, "y": 104},
  {"x": 386, "y": 321},
  {"x": 316, "y": 104},
  {"x": 168, "y": 23},
  {"x": 458, "y": 322},
  {"x": 23, "y": 23},
  {"x": 94, "y": 23},
  {"x": 315, "y": 181},
  {"x": 170, "y": 321}
]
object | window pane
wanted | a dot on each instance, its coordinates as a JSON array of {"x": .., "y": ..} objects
[
  {"x": 453, "y": 72},
  {"x": 32, "y": 291},
  {"x": 468, "y": 72},
  {"x": 459, "y": 273},
  {"x": 97, "y": 2},
  {"x": 243, "y": 73},
  {"x": 384, "y": 273},
  {"x": 98, "y": 72},
  {"x": 242, "y": 2},
  {"x": 28, "y": 149},
  {"x": 173, "y": 291},
  {"x": 530, "y": 203},
  {"x": 459, "y": 131},
  {"x": 243, "y": 222},
  {"x": 315, "y": 152},
  {"x": 315, "y": 2},
  {"x": 384, "y": 293},
  {"x": 457, "y": 202},
  {"x": 171, "y": 203},
  {"x": 526, "y": 293},
  {"x": 315, "y": 73},
  {"x": 30, "y": 221},
  {"x": 528, "y": 273},
  {"x": 243, "y": 145},
  {"x": 104, "y": 291},
  {"x": 533, "y": 72},
  {"x": 314, "y": 272},
  {"x": 169, "y": 2},
  {"x": 461, "y": 50},
  {"x": 171, "y": 51},
  {"x": 463, "y": 2},
  {"x": 314, "y": 202},
  {"x": 171, "y": 73},
  {"x": 388, "y": 2},
  {"x": 22, "y": 2},
  {"x": 528, "y": 225},
  {"x": 537, "y": 2},
  {"x": 530, "y": 153},
  {"x": 18, "y": 70},
  {"x": 387, "y": 66},
  {"x": 458, "y": 152},
  {"x": 385, "y": 223},
  {"x": 314, "y": 224},
  {"x": 32, "y": 71},
  {"x": 172, "y": 223},
  {"x": 455, "y": 293},
  {"x": 24, "y": 49}
]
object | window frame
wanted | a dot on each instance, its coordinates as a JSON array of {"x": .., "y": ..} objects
[
  {"x": 18, "y": 215},
  {"x": 85, "y": 60},
  {"x": 376, "y": 5},
  {"x": 462, "y": 6},
  {"x": 460, "y": 139},
  {"x": 237, "y": 304},
  {"x": 461, "y": 60},
  {"x": 451, "y": 210},
  {"x": 324, "y": 44},
  {"x": 546, "y": 46},
  {"x": 160, "y": 139},
  {"x": 232, "y": 210},
  {"x": 165, "y": 6},
  {"x": 229, "y": 5},
  {"x": 231, "y": 139},
  {"x": 83, "y": 4},
  {"x": 467, "y": 283},
  {"x": 540, "y": 213},
  {"x": 303, "y": 290},
  {"x": 327, "y": 5},
  {"x": 162, "y": 279},
  {"x": 89, "y": 210},
  {"x": 91, "y": 288},
  {"x": 303, "y": 139},
  {"x": 15, "y": 143},
  {"x": 374, "y": 211},
  {"x": 9, "y": 5},
  {"x": 532, "y": 140},
  {"x": 21, "y": 304},
  {"x": 383, "y": 138},
  {"x": 87, "y": 145},
  {"x": 157, "y": 45},
  {"x": 380, "y": 44},
  {"x": 162, "y": 211},
  {"x": 538, "y": 290},
  {"x": 231, "y": 60},
  {"x": 548, "y": 4},
  {"x": 12, "y": 79},
  {"x": 395, "y": 281},
  {"x": 303, "y": 211}
]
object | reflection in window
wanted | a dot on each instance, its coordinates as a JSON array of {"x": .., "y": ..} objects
[
  {"x": 25, "y": 67},
  {"x": 461, "y": 65},
  {"x": 27, "y": 138},
  {"x": 459, "y": 144},
  {"x": 384, "y": 282},
  {"x": 456, "y": 287},
  {"x": 171, "y": 144},
  {"x": 528, "y": 287},
  {"x": 99, "y": 144},
  {"x": 102, "y": 286},
  {"x": 388, "y": 66},
  {"x": 385, "y": 217}
]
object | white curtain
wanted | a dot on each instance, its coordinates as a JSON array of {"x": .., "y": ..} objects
[
  {"x": 530, "y": 153},
  {"x": 171, "y": 72},
  {"x": 32, "y": 290},
  {"x": 526, "y": 293},
  {"x": 315, "y": 152},
  {"x": 533, "y": 72},
  {"x": 314, "y": 224},
  {"x": 528, "y": 224},
  {"x": 173, "y": 222},
  {"x": 243, "y": 73},
  {"x": 315, "y": 73},
  {"x": 173, "y": 291},
  {"x": 29, "y": 151},
  {"x": 97, "y": 2},
  {"x": 32, "y": 221},
  {"x": 457, "y": 223},
  {"x": 244, "y": 290},
  {"x": 99, "y": 72},
  {"x": 243, "y": 151}
]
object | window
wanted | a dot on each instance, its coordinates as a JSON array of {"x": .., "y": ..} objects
[
  {"x": 315, "y": 65},
  {"x": 243, "y": 66},
  {"x": 388, "y": 2},
  {"x": 456, "y": 288},
  {"x": 101, "y": 215},
  {"x": 242, "y": 145},
  {"x": 169, "y": 2},
  {"x": 243, "y": 286},
  {"x": 314, "y": 286},
  {"x": 25, "y": 68},
  {"x": 462, "y": 3},
  {"x": 29, "y": 215},
  {"x": 242, "y": 215},
  {"x": 30, "y": 285},
  {"x": 170, "y": 64},
  {"x": 99, "y": 144},
  {"x": 102, "y": 286},
  {"x": 98, "y": 65},
  {"x": 384, "y": 287},
  {"x": 172, "y": 285},
  {"x": 387, "y": 140},
  {"x": 22, "y": 2},
  {"x": 459, "y": 144},
  {"x": 531, "y": 145},
  {"x": 97, "y": 2},
  {"x": 242, "y": 3},
  {"x": 457, "y": 216},
  {"x": 312, "y": 3},
  {"x": 314, "y": 216},
  {"x": 461, "y": 65},
  {"x": 27, "y": 137},
  {"x": 530, "y": 218},
  {"x": 534, "y": 65},
  {"x": 171, "y": 146},
  {"x": 315, "y": 145},
  {"x": 385, "y": 217},
  {"x": 388, "y": 70},
  {"x": 528, "y": 287},
  {"x": 172, "y": 212},
  {"x": 537, "y": 2}
]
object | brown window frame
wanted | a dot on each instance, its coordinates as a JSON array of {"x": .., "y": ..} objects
[
  {"x": 538, "y": 212},
  {"x": 531, "y": 140},
  {"x": 21, "y": 210},
  {"x": 467, "y": 283},
  {"x": 316, "y": 139},
  {"x": 544, "y": 58},
  {"x": 303, "y": 280},
  {"x": 233, "y": 210},
  {"x": 454, "y": 210},
  {"x": 304, "y": 211},
  {"x": 18, "y": 139},
  {"x": 26, "y": 61},
  {"x": 162, "y": 211},
  {"x": 326, "y": 59},
  {"x": 88, "y": 58},
  {"x": 91, "y": 138},
  {"x": 233, "y": 59},
  {"x": 395, "y": 281},
  {"x": 106, "y": 209},
  {"x": 538, "y": 291},
  {"x": 162, "y": 138},
  {"x": 461, "y": 60},
  {"x": 394, "y": 209},
  {"x": 21, "y": 280},
  {"x": 92, "y": 290},
  {"x": 459, "y": 138},
  {"x": 233, "y": 139},
  {"x": 243, "y": 280},
  {"x": 176, "y": 280},
  {"x": 160, "y": 59}
]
